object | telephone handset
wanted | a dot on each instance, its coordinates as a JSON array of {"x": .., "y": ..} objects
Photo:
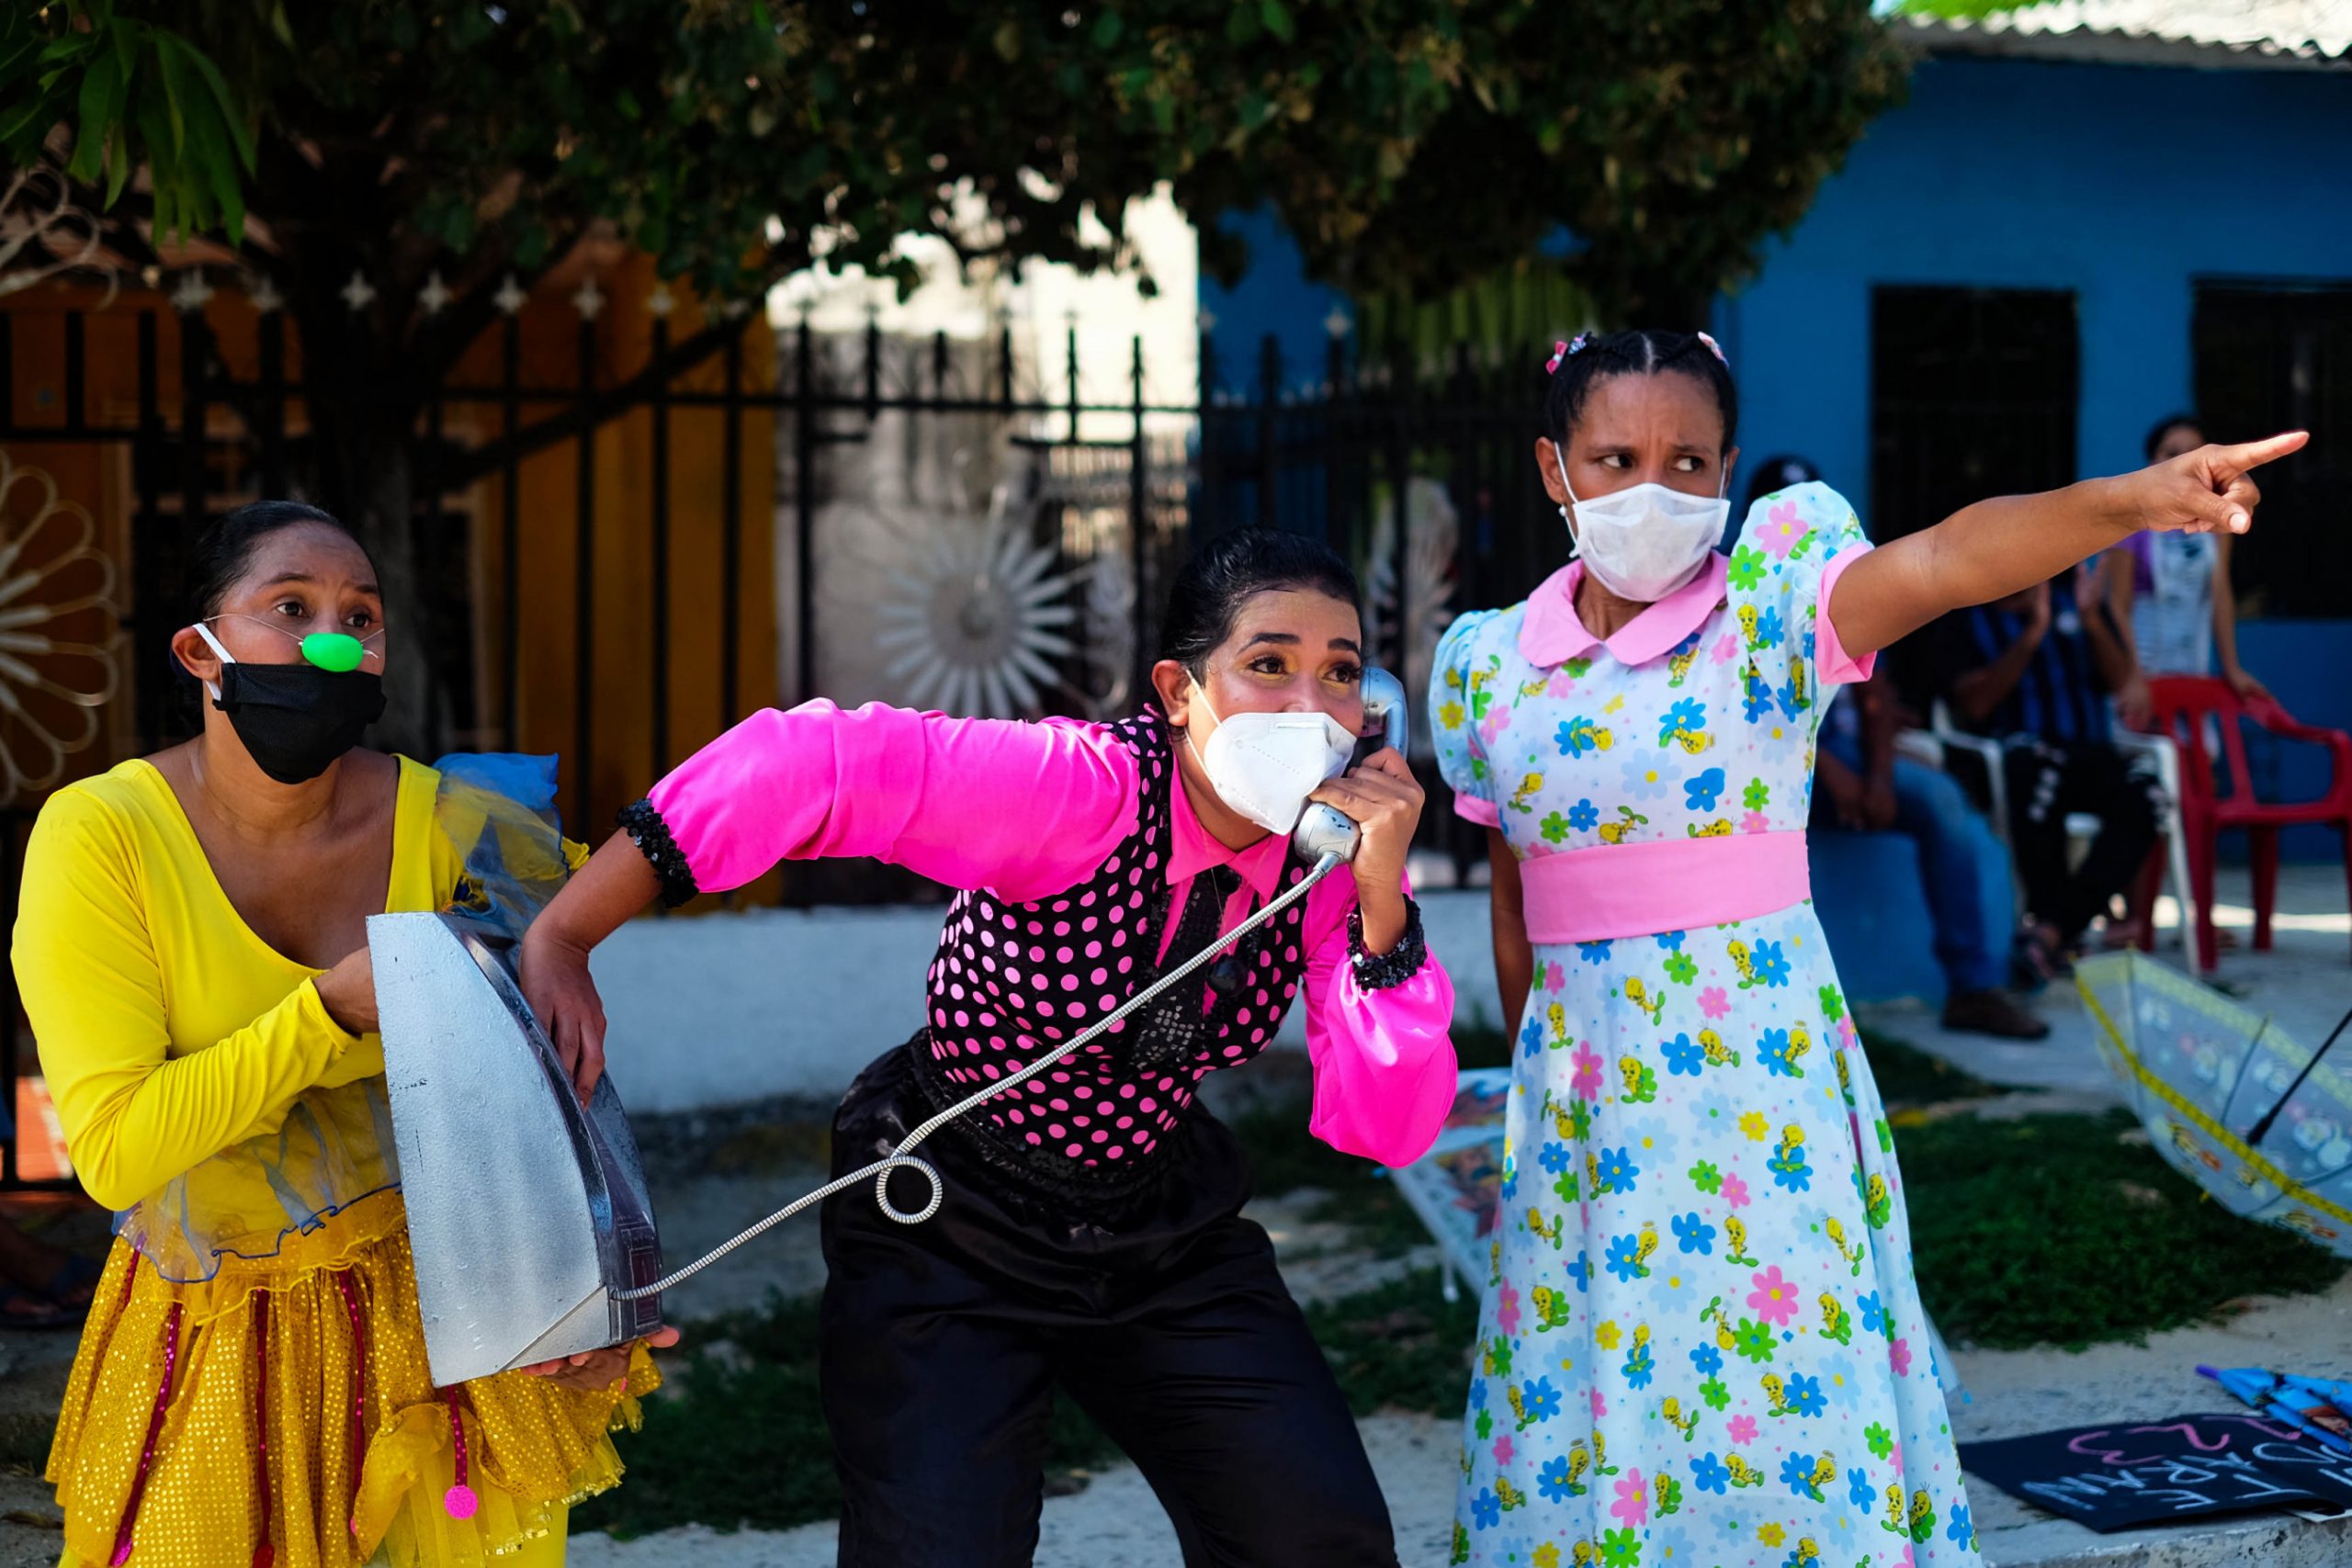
[{"x": 1324, "y": 830}]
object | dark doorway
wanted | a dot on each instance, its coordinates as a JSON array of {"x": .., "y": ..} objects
[
  {"x": 2273, "y": 358},
  {"x": 1973, "y": 393}
]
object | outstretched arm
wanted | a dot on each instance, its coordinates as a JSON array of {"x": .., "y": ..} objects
[{"x": 1998, "y": 547}]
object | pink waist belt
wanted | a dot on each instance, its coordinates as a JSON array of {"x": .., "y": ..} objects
[{"x": 1613, "y": 891}]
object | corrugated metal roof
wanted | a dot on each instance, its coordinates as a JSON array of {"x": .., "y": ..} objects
[{"x": 2222, "y": 35}]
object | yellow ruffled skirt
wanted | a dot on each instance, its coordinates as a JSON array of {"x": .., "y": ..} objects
[{"x": 280, "y": 1415}]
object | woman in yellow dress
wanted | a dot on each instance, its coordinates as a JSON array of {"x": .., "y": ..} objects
[{"x": 252, "y": 1388}]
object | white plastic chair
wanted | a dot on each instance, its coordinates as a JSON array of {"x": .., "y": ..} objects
[{"x": 1933, "y": 746}]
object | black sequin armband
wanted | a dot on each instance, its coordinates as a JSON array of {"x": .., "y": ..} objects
[
  {"x": 651, "y": 835},
  {"x": 1377, "y": 971}
]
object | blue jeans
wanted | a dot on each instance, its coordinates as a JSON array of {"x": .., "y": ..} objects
[{"x": 1962, "y": 866}]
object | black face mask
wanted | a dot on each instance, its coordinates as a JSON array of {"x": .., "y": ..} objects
[{"x": 296, "y": 720}]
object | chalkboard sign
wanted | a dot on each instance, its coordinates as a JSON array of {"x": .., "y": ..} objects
[{"x": 2120, "y": 1476}]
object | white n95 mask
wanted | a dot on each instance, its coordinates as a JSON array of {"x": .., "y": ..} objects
[
  {"x": 1264, "y": 765},
  {"x": 1645, "y": 542}
]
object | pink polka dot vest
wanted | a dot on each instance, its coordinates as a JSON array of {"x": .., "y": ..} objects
[{"x": 1011, "y": 981}]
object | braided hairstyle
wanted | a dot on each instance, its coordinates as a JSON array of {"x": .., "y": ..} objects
[{"x": 1643, "y": 351}]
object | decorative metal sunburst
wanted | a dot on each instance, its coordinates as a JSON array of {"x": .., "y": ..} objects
[
  {"x": 978, "y": 618},
  {"x": 58, "y": 625}
]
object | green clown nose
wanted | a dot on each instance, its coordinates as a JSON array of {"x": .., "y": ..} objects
[{"x": 338, "y": 651}]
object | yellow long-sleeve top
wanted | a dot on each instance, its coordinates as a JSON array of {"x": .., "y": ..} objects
[
  {"x": 168, "y": 1031},
  {"x": 171, "y": 1033}
]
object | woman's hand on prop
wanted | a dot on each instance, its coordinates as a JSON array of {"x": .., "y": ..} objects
[
  {"x": 2208, "y": 490},
  {"x": 349, "y": 992},
  {"x": 555, "y": 982},
  {"x": 1384, "y": 800},
  {"x": 597, "y": 1371}
]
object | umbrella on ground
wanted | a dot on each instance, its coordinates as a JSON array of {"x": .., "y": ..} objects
[
  {"x": 2313, "y": 1406},
  {"x": 2231, "y": 1101}
]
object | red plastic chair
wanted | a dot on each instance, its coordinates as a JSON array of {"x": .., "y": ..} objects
[{"x": 2184, "y": 708}]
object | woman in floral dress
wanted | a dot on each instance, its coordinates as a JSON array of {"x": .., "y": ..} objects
[{"x": 1703, "y": 1343}]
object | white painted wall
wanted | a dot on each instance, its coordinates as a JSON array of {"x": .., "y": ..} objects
[{"x": 742, "y": 1004}]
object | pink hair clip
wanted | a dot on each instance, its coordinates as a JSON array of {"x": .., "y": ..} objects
[
  {"x": 1714, "y": 348},
  {"x": 1561, "y": 351}
]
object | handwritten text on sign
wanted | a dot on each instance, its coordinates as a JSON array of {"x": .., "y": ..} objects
[{"x": 2115, "y": 1477}]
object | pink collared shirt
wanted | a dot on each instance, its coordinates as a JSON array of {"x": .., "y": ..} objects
[{"x": 1023, "y": 811}]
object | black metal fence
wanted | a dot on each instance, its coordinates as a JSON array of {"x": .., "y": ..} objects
[{"x": 1418, "y": 471}]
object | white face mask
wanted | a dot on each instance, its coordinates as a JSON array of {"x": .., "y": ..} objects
[
  {"x": 1264, "y": 765},
  {"x": 1644, "y": 543}
]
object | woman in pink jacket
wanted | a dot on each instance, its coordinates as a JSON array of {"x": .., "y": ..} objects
[{"x": 1091, "y": 1235}]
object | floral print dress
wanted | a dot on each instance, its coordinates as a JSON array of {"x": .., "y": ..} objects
[{"x": 1702, "y": 1344}]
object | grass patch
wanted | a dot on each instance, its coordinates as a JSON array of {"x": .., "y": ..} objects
[
  {"x": 1284, "y": 1156},
  {"x": 2069, "y": 1230},
  {"x": 1401, "y": 1345},
  {"x": 757, "y": 1415},
  {"x": 1907, "y": 1076}
]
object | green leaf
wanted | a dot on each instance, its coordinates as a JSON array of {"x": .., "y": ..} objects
[
  {"x": 1107, "y": 29},
  {"x": 172, "y": 76},
  {"x": 1241, "y": 24},
  {"x": 233, "y": 114},
  {"x": 119, "y": 161},
  {"x": 1277, "y": 18},
  {"x": 209, "y": 148},
  {"x": 101, "y": 100}
]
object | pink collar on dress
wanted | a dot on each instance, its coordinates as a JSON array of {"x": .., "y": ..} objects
[{"x": 1553, "y": 633}]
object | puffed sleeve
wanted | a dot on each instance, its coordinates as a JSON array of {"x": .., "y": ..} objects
[
  {"x": 1793, "y": 548},
  {"x": 1460, "y": 681},
  {"x": 1379, "y": 1033}
]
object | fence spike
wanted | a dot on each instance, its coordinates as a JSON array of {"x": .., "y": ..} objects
[{"x": 192, "y": 292}]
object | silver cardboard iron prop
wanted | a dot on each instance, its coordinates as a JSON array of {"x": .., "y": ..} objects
[{"x": 528, "y": 1217}]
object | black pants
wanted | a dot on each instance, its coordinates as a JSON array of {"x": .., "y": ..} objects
[
  {"x": 1164, "y": 1318},
  {"x": 2048, "y": 781}
]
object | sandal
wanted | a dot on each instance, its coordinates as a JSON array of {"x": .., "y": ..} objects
[{"x": 2042, "y": 958}]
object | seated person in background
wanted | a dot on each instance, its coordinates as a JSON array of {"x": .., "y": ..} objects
[
  {"x": 1861, "y": 785},
  {"x": 2034, "y": 671}
]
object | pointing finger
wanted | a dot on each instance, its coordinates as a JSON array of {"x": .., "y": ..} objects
[{"x": 2254, "y": 453}]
